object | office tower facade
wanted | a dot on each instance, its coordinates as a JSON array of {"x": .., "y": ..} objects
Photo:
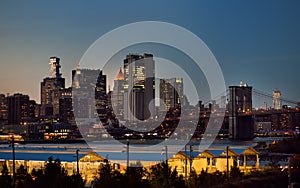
[
  {"x": 171, "y": 92},
  {"x": 19, "y": 108},
  {"x": 3, "y": 109},
  {"x": 139, "y": 72},
  {"x": 50, "y": 89},
  {"x": 65, "y": 106},
  {"x": 241, "y": 124},
  {"x": 117, "y": 97},
  {"x": 276, "y": 100},
  {"x": 101, "y": 97},
  {"x": 90, "y": 100}
]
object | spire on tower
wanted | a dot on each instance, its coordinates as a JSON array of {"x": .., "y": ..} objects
[{"x": 120, "y": 75}]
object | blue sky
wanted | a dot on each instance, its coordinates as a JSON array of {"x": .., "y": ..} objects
[{"x": 255, "y": 41}]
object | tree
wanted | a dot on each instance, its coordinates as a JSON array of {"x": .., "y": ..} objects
[
  {"x": 108, "y": 177},
  {"x": 23, "y": 178},
  {"x": 5, "y": 178},
  {"x": 135, "y": 177},
  {"x": 54, "y": 176},
  {"x": 193, "y": 180},
  {"x": 161, "y": 175}
]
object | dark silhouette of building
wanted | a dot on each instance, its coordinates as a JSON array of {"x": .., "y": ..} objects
[
  {"x": 241, "y": 124},
  {"x": 3, "y": 109},
  {"x": 20, "y": 108},
  {"x": 101, "y": 96},
  {"x": 65, "y": 106}
]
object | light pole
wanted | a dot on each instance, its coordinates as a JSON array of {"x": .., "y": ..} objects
[
  {"x": 127, "y": 153},
  {"x": 13, "y": 158},
  {"x": 191, "y": 150},
  {"x": 77, "y": 163},
  {"x": 185, "y": 162},
  {"x": 227, "y": 162},
  {"x": 166, "y": 153}
]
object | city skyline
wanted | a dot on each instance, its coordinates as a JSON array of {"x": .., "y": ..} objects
[{"x": 254, "y": 42}]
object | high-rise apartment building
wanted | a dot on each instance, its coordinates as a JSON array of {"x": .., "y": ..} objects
[{"x": 139, "y": 79}]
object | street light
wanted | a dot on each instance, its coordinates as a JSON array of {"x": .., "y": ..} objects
[
  {"x": 13, "y": 157},
  {"x": 77, "y": 159},
  {"x": 191, "y": 150},
  {"x": 227, "y": 162},
  {"x": 126, "y": 149},
  {"x": 165, "y": 151}
]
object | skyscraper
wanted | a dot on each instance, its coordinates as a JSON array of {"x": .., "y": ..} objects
[
  {"x": 50, "y": 89},
  {"x": 101, "y": 97},
  {"x": 118, "y": 95},
  {"x": 276, "y": 99},
  {"x": 18, "y": 108},
  {"x": 65, "y": 106},
  {"x": 241, "y": 124},
  {"x": 3, "y": 109},
  {"x": 139, "y": 72},
  {"x": 171, "y": 92},
  {"x": 90, "y": 100}
]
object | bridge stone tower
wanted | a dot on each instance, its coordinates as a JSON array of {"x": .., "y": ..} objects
[{"x": 241, "y": 123}]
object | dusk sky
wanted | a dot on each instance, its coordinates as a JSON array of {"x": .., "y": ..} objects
[{"x": 254, "y": 41}]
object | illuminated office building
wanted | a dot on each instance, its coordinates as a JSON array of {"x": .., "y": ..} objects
[{"x": 139, "y": 80}]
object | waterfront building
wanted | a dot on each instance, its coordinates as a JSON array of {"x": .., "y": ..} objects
[{"x": 212, "y": 160}]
